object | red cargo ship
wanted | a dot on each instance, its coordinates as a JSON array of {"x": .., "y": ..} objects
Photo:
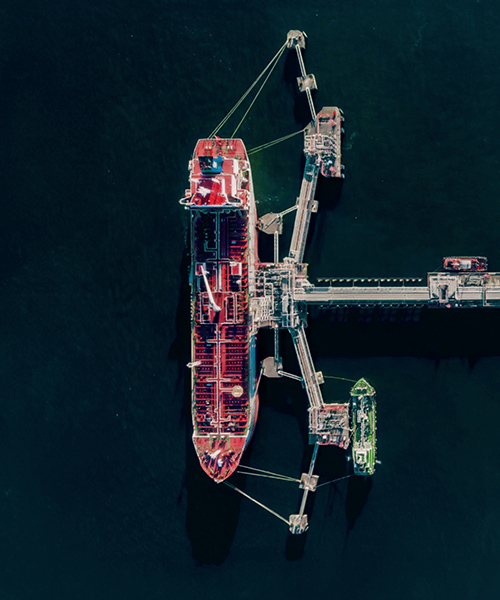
[{"x": 223, "y": 255}]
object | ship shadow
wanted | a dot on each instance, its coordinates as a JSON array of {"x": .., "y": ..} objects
[
  {"x": 266, "y": 247},
  {"x": 434, "y": 334},
  {"x": 180, "y": 348},
  {"x": 283, "y": 394},
  {"x": 213, "y": 509},
  {"x": 212, "y": 512},
  {"x": 328, "y": 193},
  {"x": 358, "y": 490}
]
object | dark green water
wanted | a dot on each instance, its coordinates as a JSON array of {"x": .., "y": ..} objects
[{"x": 101, "y": 104}]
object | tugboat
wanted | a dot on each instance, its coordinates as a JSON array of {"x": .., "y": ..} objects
[
  {"x": 465, "y": 263},
  {"x": 364, "y": 428}
]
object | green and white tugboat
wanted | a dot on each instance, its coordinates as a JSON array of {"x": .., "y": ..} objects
[{"x": 363, "y": 427}]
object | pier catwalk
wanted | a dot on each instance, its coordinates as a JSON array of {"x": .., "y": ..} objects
[{"x": 457, "y": 290}]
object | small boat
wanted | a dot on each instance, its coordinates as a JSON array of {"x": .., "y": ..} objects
[
  {"x": 364, "y": 428},
  {"x": 465, "y": 263}
]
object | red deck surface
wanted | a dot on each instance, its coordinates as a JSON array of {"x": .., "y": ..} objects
[{"x": 222, "y": 373}]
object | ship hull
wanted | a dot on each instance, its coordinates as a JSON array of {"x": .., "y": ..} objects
[
  {"x": 364, "y": 428},
  {"x": 223, "y": 250}
]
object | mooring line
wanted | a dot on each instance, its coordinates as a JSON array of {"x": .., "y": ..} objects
[
  {"x": 279, "y": 478},
  {"x": 257, "y": 502},
  {"x": 334, "y": 480},
  {"x": 342, "y": 378},
  {"x": 278, "y": 56},
  {"x": 236, "y": 106},
  {"x": 274, "y": 475},
  {"x": 274, "y": 142}
]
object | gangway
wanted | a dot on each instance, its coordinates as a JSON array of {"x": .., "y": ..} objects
[
  {"x": 310, "y": 378},
  {"x": 305, "y": 206}
]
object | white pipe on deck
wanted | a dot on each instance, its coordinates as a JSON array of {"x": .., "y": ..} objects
[{"x": 211, "y": 299}]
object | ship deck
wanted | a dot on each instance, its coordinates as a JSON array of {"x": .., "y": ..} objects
[{"x": 222, "y": 384}]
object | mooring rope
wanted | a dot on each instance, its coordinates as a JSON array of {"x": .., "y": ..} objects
[
  {"x": 342, "y": 378},
  {"x": 278, "y": 56},
  {"x": 334, "y": 481},
  {"x": 277, "y": 477},
  {"x": 270, "y": 474},
  {"x": 257, "y": 502},
  {"x": 272, "y": 63},
  {"x": 258, "y": 381},
  {"x": 278, "y": 141}
]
